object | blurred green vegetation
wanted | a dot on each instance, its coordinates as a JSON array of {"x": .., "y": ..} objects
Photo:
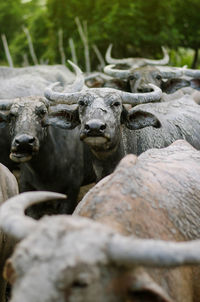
[{"x": 134, "y": 27}]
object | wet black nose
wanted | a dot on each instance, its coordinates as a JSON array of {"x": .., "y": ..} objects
[
  {"x": 144, "y": 89},
  {"x": 95, "y": 127},
  {"x": 24, "y": 139}
]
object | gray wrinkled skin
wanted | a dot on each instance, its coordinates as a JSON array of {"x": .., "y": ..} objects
[
  {"x": 179, "y": 120},
  {"x": 32, "y": 80},
  {"x": 153, "y": 196},
  {"x": 8, "y": 188}
]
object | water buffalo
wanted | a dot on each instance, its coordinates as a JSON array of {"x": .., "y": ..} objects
[
  {"x": 106, "y": 125},
  {"x": 31, "y": 80},
  {"x": 121, "y": 250},
  {"x": 121, "y": 79},
  {"x": 136, "y": 77},
  {"x": 50, "y": 158},
  {"x": 169, "y": 79},
  {"x": 23, "y": 82},
  {"x": 8, "y": 188}
]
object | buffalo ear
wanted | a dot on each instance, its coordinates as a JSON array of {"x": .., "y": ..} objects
[
  {"x": 4, "y": 118},
  {"x": 143, "y": 288},
  {"x": 172, "y": 85},
  {"x": 138, "y": 119},
  {"x": 63, "y": 116}
]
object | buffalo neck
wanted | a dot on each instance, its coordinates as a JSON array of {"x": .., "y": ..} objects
[
  {"x": 54, "y": 157},
  {"x": 104, "y": 162},
  {"x": 42, "y": 158}
]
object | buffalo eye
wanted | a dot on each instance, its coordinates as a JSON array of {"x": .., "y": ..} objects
[
  {"x": 41, "y": 112},
  {"x": 81, "y": 103},
  {"x": 158, "y": 77},
  {"x": 13, "y": 113},
  {"x": 79, "y": 284},
  {"x": 116, "y": 104},
  {"x": 83, "y": 280},
  {"x": 132, "y": 77}
]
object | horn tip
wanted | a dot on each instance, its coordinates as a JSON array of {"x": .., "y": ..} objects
[{"x": 75, "y": 67}]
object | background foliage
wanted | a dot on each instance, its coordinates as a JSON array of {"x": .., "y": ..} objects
[{"x": 135, "y": 27}]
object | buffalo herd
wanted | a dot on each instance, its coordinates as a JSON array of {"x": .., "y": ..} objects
[{"x": 134, "y": 130}]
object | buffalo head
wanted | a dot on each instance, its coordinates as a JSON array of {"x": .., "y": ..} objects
[
  {"x": 139, "y": 72},
  {"x": 101, "y": 112},
  {"x": 167, "y": 78},
  {"x": 27, "y": 118}
]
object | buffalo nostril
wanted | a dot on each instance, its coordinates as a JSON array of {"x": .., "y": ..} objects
[
  {"x": 31, "y": 140},
  {"x": 144, "y": 89},
  {"x": 140, "y": 90},
  {"x": 102, "y": 127},
  {"x": 17, "y": 142},
  {"x": 87, "y": 127}
]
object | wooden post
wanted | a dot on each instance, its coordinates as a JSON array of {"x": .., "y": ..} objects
[
  {"x": 8, "y": 55},
  {"x": 60, "y": 46},
  {"x": 73, "y": 51},
  {"x": 83, "y": 32},
  {"x": 99, "y": 56},
  {"x": 30, "y": 44},
  {"x": 25, "y": 60}
]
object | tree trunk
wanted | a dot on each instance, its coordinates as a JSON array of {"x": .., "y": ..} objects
[{"x": 195, "y": 59}]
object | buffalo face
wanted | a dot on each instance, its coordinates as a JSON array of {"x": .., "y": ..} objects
[
  {"x": 26, "y": 124},
  {"x": 140, "y": 78},
  {"x": 100, "y": 117}
]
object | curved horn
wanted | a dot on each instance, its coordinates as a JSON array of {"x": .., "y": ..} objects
[
  {"x": 163, "y": 61},
  {"x": 70, "y": 94},
  {"x": 149, "y": 252},
  {"x": 117, "y": 73},
  {"x": 141, "y": 98},
  {"x": 12, "y": 218},
  {"x": 59, "y": 97},
  {"x": 6, "y": 104},
  {"x": 192, "y": 73},
  {"x": 97, "y": 74},
  {"x": 79, "y": 81},
  {"x": 137, "y": 62},
  {"x": 110, "y": 60},
  {"x": 125, "y": 73}
]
